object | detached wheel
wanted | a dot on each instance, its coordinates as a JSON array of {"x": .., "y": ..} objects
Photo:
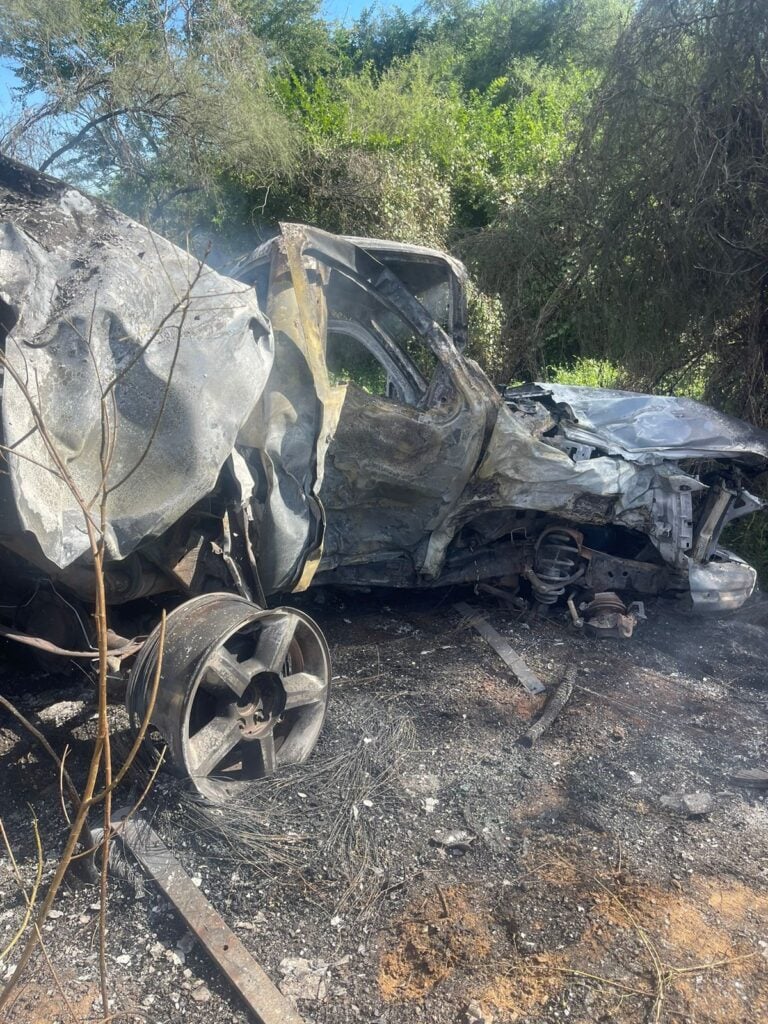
[{"x": 243, "y": 690}]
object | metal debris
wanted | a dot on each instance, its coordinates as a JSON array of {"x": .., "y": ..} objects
[
  {"x": 344, "y": 436},
  {"x": 245, "y": 975},
  {"x": 503, "y": 648},
  {"x": 41, "y": 644},
  {"x": 509, "y": 597},
  {"x": 311, "y": 418}
]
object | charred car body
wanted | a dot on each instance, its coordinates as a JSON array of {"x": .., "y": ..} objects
[{"x": 310, "y": 419}]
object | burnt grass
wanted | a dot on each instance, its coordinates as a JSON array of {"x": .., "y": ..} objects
[{"x": 575, "y": 894}]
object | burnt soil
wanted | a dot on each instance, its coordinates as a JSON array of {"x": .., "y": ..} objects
[{"x": 575, "y": 894}]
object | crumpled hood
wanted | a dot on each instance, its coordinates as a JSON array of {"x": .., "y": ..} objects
[{"x": 647, "y": 428}]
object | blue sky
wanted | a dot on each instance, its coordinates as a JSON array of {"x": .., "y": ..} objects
[
  {"x": 348, "y": 10},
  {"x": 7, "y": 79}
]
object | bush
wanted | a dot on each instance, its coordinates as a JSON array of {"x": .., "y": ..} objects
[{"x": 587, "y": 372}]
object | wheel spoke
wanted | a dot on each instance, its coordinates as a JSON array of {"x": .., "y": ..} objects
[
  {"x": 227, "y": 671},
  {"x": 268, "y": 757},
  {"x": 275, "y": 641},
  {"x": 212, "y": 743},
  {"x": 301, "y": 689}
]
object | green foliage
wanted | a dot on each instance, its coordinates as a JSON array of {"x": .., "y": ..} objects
[
  {"x": 413, "y": 106},
  {"x": 146, "y": 106},
  {"x": 489, "y": 37},
  {"x": 414, "y": 125},
  {"x": 647, "y": 243},
  {"x": 359, "y": 192},
  {"x": 486, "y": 332},
  {"x": 381, "y": 37},
  {"x": 587, "y": 372},
  {"x": 547, "y": 103},
  {"x": 674, "y": 162},
  {"x": 291, "y": 32}
]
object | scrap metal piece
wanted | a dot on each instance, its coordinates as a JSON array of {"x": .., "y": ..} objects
[
  {"x": 555, "y": 705},
  {"x": 577, "y": 620},
  {"x": 716, "y": 506},
  {"x": 503, "y": 648},
  {"x": 643, "y": 427},
  {"x": 608, "y": 572},
  {"x": 197, "y": 565},
  {"x": 127, "y": 648},
  {"x": 244, "y": 973},
  {"x": 509, "y": 597}
]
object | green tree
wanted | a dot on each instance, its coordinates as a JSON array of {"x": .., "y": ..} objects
[
  {"x": 378, "y": 37},
  {"x": 647, "y": 243},
  {"x": 673, "y": 166},
  {"x": 151, "y": 103},
  {"x": 292, "y": 32}
]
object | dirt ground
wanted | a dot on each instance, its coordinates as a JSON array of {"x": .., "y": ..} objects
[{"x": 429, "y": 867}]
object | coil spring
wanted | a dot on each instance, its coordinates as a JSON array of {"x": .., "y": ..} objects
[{"x": 557, "y": 564}]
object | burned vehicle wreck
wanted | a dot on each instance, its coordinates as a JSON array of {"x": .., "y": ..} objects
[
  {"x": 308, "y": 419},
  {"x": 431, "y": 477}
]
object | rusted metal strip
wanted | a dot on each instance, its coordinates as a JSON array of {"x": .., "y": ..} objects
[
  {"x": 246, "y": 976},
  {"x": 503, "y": 648}
]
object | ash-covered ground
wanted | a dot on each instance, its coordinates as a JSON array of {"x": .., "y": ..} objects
[{"x": 424, "y": 866}]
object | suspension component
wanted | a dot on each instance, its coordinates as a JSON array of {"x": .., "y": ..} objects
[
  {"x": 606, "y": 615},
  {"x": 557, "y": 563}
]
